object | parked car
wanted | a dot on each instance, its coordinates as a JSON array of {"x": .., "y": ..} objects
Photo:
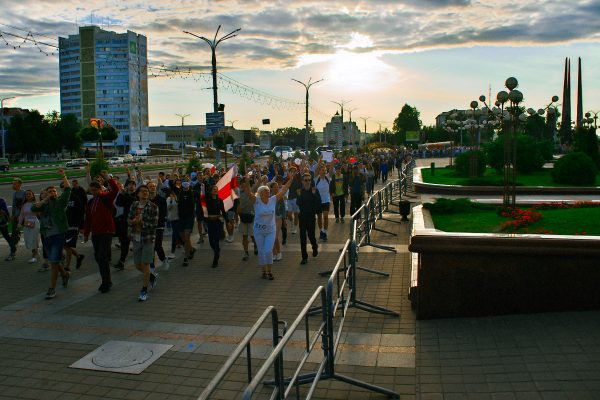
[
  {"x": 116, "y": 160},
  {"x": 77, "y": 162},
  {"x": 280, "y": 151},
  {"x": 4, "y": 164},
  {"x": 128, "y": 158}
]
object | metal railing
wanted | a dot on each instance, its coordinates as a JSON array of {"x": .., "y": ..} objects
[{"x": 245, "y": 344}]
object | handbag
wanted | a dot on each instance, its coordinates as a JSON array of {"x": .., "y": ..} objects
[{"x": 247, "y": 218}]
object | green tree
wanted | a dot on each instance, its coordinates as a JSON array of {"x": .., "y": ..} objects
[
  {"x": 29, "y": 134},
  {"x": 586, "y": 141},
  {"x": 407, "y": 120},
  {"x": 432, "y": 134},
  {"x": 218, "y": 141},
  {"x": 69, "y": 128}
]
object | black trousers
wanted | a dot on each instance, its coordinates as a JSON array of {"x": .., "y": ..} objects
[
  {"x": 121, "y": 225},
  {"x": 356, "y": 200},
  {"x": 15, "y": 235},
  {"x": 158, "y": 247},
  {"x": 339, "y": 206},
  {"x": 215, "y": 231},
  {"x": 307, "y": 228},
  {"x": 102, "y": 243}
]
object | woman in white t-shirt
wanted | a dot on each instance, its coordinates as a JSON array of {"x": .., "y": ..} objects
[{"x": 264, "y": 223}]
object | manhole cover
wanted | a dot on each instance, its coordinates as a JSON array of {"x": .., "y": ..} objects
[{"x": 122, "y": 357}]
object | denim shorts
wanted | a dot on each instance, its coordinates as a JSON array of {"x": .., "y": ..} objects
[
  {"x": 143, "y": 253},
  {"x": 54, "y": 246}
]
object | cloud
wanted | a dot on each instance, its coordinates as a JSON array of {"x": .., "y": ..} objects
[{"x": 281, "y": 33}]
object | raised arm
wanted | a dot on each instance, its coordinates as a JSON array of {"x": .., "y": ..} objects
[
  {"x": 249, "y": 191},
  {"x": 287, "y": 185}
]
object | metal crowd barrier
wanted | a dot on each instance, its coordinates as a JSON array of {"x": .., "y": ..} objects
[
  {"x": 338, "y": 295},
  {"x": 246, "y": 345}
]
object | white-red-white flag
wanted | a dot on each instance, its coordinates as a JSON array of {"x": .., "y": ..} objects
[{"x": 226, "y": 185}]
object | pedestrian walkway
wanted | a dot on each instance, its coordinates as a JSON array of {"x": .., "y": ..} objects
[{"x": 203, "y": 312}]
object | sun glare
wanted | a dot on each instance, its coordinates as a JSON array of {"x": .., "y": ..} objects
[{"x": 360, "y": 71}]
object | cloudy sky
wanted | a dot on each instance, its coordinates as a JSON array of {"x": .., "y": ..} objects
[{"x": 376, "y": 55}]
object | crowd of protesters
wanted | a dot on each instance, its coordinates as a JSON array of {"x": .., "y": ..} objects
[{"x": 264, "y": 204}]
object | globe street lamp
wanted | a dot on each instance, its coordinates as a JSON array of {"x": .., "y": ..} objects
[{"x": 2, "y": 123}]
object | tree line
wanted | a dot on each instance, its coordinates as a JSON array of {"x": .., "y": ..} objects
[{"x": 33, "y": 134}]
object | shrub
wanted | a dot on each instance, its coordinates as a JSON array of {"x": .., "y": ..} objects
[
  {"x": 575, "y": 169},
  {"x": 449, "y": 206},
  {"x": 463, "y": 162},
  {"x": 193, "y": 162},
  {"x": 531, "y": 153},
  {"x": 98, "y": 165}
]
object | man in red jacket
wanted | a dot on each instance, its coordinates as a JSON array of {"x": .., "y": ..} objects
[{"x": 99, "y": 221}]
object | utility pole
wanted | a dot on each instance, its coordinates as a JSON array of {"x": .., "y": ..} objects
[
  {"x": 350, "y": 111},
  {"x": 307, "y": 87},
  {"x": 2, "y": 119},
  {"x": 365, "y": 121},
  {"x": 341, "y": 104},
  {"x": 182, "y": 116}
]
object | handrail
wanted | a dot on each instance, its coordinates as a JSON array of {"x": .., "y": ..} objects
[
  {"x": 276, "y": 355},
  {"x": 244, "y": 344}
]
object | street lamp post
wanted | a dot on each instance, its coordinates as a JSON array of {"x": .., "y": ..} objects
[
  {"x": 213, "y": 47},
  {"x": 365, "y": 121},
  {"x": 2, "y": 119},
  {"x": 307, "y": 87},
  {"x": 182, "y": 116},
  {"x": 341, "y": 104},
  {"x": 350, "y": 111}
]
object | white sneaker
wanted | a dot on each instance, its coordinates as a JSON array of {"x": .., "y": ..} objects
[
  {"x": 229, "y": 239},
  {"x": 279, "y": 256},
  {"x": 295, "y": 229},
  {"x": 172, "y": 256},
  {"x": 32, "y": 260},
  {"x": 165, "y": 264}
]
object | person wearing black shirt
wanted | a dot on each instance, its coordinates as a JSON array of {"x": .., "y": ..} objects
[
  {"x": 214, "y": 211},
  {"x": 309, "y": 203},
  {"x": 186, "y": 206},
  {"x": 124, "y": 199},
  {"x": 75, "y": 216}
]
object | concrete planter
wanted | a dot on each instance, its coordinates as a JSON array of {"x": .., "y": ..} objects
[{"x": 466, "y": 275}]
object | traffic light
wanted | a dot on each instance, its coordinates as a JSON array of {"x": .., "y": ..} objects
[{"x": 96, "y": 123}]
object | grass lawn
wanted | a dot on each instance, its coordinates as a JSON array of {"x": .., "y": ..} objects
[
  {"x": 445, "y": 176},
  {"x": 52, "y": 173},
  {"x": 560, "y": 222}
]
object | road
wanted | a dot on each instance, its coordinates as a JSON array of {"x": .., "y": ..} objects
[{"x": 6, "y": 191}]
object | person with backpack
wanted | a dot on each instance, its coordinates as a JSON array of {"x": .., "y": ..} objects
[
  {"x": 100, "y": 224},
  {"x": 322, "y": 182},
  {"x": 338, "y": 191},
  {"x": 357, "y": 189}
]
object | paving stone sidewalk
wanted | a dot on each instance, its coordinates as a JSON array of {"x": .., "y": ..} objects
[{"x": 203, "y": 313}]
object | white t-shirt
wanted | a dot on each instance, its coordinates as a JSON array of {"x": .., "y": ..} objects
[
  {"x": 322, "y": 185},
  {"x": 264, "y": 215}
]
